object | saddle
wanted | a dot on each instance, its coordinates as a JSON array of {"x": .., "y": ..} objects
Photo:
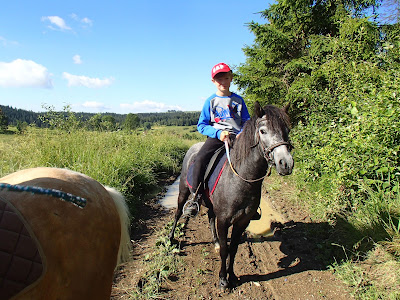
[
  {"x": 212, "y": 174},
  {"x": 21, "y": 263}
]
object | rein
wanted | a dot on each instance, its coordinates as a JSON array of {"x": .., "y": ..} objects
[
  {"x": 234, "y": 171},
  {"x": 76, "y": 200},
  {"x": 267, "y": 153}
]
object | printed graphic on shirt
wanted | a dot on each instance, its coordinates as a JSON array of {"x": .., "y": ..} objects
[{"x": 226, "y": 113}]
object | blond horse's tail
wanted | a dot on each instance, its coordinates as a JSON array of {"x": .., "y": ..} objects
[{"x": 125, "y": 246}]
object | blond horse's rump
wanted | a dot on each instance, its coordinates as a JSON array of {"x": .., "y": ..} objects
[
  {"x": 124, "y": 251},
  {"x": 80, "y": 247}
]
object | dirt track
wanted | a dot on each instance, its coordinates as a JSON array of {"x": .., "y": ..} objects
[{"x": 287, "y": 265}]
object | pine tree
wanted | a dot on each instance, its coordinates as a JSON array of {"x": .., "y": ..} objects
[{"x": 3, "y": 121}]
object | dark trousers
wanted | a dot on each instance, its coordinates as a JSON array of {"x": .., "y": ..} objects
[{"x": 202, "y": 159}]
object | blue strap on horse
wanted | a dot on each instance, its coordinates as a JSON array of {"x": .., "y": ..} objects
[{"x": 76, "y": 200}]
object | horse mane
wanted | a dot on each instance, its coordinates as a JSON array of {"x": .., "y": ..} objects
[{"x": 278, "y": 121}]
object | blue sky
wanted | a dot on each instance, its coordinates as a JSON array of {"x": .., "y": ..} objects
[{"x": 119, "y": 56}]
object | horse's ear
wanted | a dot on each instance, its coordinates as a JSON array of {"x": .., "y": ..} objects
[
  {"x": 258, "y": 111},
  {"x": 286, "y": 108}
]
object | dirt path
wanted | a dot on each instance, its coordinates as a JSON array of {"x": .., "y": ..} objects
[{"x": 288, "y": 265}]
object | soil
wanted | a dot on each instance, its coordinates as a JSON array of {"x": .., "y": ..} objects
[{"x": 292, "y": 263}]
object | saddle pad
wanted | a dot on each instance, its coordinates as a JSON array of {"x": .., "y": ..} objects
[
  {"x": 20, "y": 259},
  {"x": 213, "y": 178}
]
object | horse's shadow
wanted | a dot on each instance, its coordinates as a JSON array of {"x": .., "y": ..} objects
[{"x": 306, "y": 246}]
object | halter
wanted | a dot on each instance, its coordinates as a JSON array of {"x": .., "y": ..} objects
[{"x": 267, "y": 153}]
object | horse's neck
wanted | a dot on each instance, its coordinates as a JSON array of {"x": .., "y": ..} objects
[{"x": 254, "y": 166}]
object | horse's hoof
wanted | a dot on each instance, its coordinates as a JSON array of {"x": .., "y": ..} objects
[
  {"x": 223, "y": 284},
  {"x": 217, "y": 247},
  {"x": 174, "y": 241},
  {"x": 233, "y": 280}
]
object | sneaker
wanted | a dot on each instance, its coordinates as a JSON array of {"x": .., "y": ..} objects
[{"x": 191, "y": 207}]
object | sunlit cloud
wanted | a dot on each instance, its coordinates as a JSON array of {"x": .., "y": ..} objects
[
  {"x": 24, "y": 73},
  {"x": 80, "y": 80},
  {"x": 91, "y": 106},
  {"x": 77, "y": 59},
  {"x": 148, "y": 106},
  {"x": 57, "y": 21}
]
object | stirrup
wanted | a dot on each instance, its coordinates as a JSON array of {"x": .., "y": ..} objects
[{"x": 191, "y": 211}]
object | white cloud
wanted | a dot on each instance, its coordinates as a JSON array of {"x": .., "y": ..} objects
[
  {"x": 87, "y": 21},
  {"x": 91, "y": 106},
  {"x": 77, "y": 59},
  {"x": 24, "y": 73},
  {"x": 57, "y": 21},
  {"x": 80, "y": 80},
  {"x": 149, "y": 106},
  {"x": 5, "y": 42}
]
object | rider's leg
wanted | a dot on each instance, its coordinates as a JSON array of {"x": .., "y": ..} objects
[{"x": 199, "y": 168}]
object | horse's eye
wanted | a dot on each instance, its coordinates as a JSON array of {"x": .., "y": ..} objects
[{"x": 262, "y": 131}]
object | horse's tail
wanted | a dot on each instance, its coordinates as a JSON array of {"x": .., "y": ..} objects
[{"x": 125, "y": 246}]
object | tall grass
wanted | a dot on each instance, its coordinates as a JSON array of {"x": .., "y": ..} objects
[{"x": 132, "y": 162}]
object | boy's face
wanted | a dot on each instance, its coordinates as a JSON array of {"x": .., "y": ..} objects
[{"x": 223, "y": 82}]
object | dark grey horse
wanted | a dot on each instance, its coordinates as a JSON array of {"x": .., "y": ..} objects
[{"x": 263, "y": 143}]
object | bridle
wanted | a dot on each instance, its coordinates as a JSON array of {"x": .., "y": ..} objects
[{"x": 267, "y": 153}]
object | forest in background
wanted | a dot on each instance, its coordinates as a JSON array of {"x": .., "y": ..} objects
[{"x": 10, "y": 116}]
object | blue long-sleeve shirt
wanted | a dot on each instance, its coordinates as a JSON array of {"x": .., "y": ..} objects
[{"x": 222, "y": 113}]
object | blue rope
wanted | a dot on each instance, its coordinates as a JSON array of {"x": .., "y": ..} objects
[{"x": 78, "y": 201}]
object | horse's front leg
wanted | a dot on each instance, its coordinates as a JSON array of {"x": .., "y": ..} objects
[
  {"x": 223, "y": 253},
  {"x": 183, "y": 195},
  {"x": 237, "y": 232},
  {"x": 211, "y": 219}
]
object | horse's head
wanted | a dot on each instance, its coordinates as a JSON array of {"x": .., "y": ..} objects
[{"x": 272, "y": 136}]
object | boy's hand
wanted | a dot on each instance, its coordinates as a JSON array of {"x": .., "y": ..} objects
[{"x": 224, "y": 135}]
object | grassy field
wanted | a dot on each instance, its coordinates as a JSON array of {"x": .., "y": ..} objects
[
  {"x": 135, "y": 162},
  {"x": 132, "y": 162}
]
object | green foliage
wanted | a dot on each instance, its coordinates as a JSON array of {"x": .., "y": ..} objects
[
  {"x": 94, "y": 123},
  {"x": 65, "y": 120},
  {"x": 340, "y": 72},
  {"x": 21, "y": 127},
  {"x": 333, "y": 70},
  {"x": 3, "y": 121},
  {"x": 160, "y": 265},
  {"x": 281, "y": 52},
  {"x": 132, "y": 122}
]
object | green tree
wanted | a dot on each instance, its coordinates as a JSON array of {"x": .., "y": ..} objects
[
  {"x": 131, "y": 122},
  {"x": 108, "y": 122},
  {"x": 21, "y": 127},
  {"x": 94, "y": 123},
  {"x": 339, "y": 70},
  {"x": 64, "y": 120},
  {"x": 146, "y": 125},
  {"x": 282, "y": 46},
  {"x": 3, "y": 121}
]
